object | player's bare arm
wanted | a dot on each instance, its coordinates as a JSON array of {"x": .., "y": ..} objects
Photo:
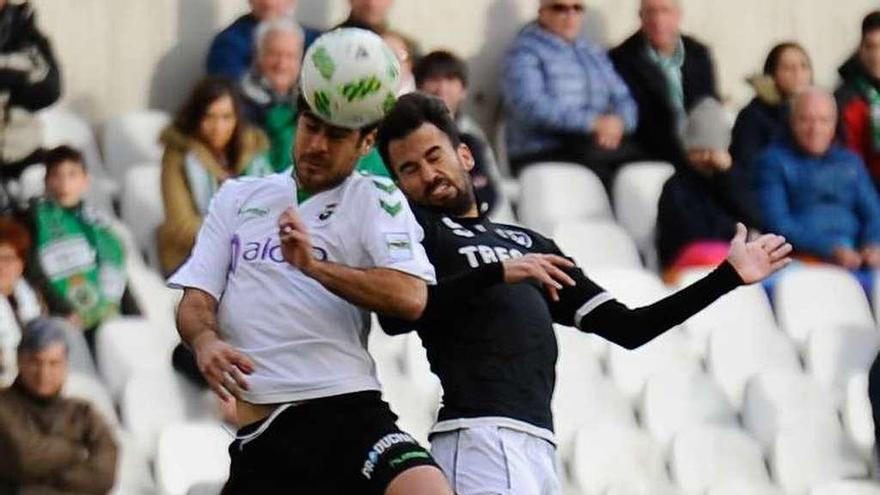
[{"x": 223, "y": 367}]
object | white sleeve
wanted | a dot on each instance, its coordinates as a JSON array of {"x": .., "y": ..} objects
[
  {"x": 391, "y": 235},
  {"x": 208, "y": 265}
]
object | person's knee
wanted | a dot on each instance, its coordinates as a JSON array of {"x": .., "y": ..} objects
[{"x": 420, "y": 480}]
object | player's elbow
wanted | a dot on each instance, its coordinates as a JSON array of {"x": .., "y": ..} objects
[{"x": 412, "y": 302}]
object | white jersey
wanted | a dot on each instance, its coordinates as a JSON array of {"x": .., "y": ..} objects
[{"x": 305, "y": 342}]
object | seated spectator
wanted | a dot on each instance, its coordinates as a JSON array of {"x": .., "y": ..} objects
[
  {"x": 368, "y": 14},
  {"x": 78, "y": 262},
  {"x": 20, "y": 302},
  {"x": 563, "y": 99},
  {"x": 269, "y": 89},
  {"x": 817, "y": 193},
  {"x": 29, "y": 81},
  {"x": 48, "y": 443},
  {"x": 700, "y": 206},
  {"x": 787, "y": 72},
  {"x": 207, "y": 143},
  {"x": 232, "y": 50},
  {"x": 668, "y": 73},
  {"x": 859, "y": 97},
  {"x": 444, "y": 75}
]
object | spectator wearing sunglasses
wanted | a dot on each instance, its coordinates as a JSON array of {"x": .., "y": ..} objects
[
  {"x": 668, "y": 73},
  {"x": 564, "y": 100}
]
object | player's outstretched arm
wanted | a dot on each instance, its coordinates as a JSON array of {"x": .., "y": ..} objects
[{"x": 223, "y": 367}]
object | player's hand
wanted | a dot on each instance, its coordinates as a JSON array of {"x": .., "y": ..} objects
[
  {"x": 871, "y": 256},
  {"x": 296, "y": 244},
  {"x": 758, "y": 259},
  {"x": 223, "y": 367},
  {"x": 545, "y": 268}
]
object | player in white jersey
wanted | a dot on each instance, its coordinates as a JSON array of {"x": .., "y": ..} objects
[{"x": 292, "y": 352}]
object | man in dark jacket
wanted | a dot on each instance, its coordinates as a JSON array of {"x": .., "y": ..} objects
[
  {"x": 667, "y": 74},
  {"x": 29, "y": 81}
]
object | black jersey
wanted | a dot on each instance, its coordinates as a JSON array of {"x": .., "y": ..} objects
[{"x": 492, "y": 344}]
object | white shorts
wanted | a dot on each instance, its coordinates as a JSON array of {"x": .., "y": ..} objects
[{"x": 493, "y": 460}]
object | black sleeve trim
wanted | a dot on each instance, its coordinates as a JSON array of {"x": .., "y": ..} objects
[{"x": 632, "y": 328}]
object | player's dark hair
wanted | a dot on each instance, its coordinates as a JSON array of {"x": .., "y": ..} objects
[
  {"x": 440, "y": 64},
  {"x": 61, "y": 154},
  {"x": 303, "y": 106},
  {"x": 409, "y": 113},
  {"x": 870, "y": 23}
]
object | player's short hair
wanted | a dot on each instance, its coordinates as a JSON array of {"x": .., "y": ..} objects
[
  {"x": 440, "y": 64},
  {"x": 409, "y": 113},
  {"x": 303, "y": 106},
  {"x": 61, "y": 154}
]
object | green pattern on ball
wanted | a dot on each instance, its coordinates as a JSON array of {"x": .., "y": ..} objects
[
  {"x": 324, "y": 63},
  {"x": 358, "y": 90},
  {"x": 389, "y": 102},
  {"x": 322, "y": 103}
]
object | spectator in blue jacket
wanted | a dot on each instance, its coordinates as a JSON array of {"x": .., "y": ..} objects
[
  {"x": 817, "y": 193},
  {"x": 563, "y": 98},
  {"x": 232, "y": 51}
]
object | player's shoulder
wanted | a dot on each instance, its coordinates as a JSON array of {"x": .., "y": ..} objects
[{"x": 372, "y": 191}]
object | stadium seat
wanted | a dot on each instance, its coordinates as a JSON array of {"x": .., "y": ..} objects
[
  {"x": 133, "y": 476},
  {"x": 848, "y": 487},
  {"x": 737, "y": 354},
  {"x": 553, "y": 192},
  {"x": 812, "y": 454},
  {"x": 678, "y": 400},
  {"x": 501, "y": 148},
  {"x": 597, "y": 244},
  {"x": 775, "y": 400},
  {"x": 814, "y": 297},
  {"x": 856, "y": 413},
  {"x": 630, "y": 369},
  {"x": 607, "y": 454},
  {"x": 142, "y": 209},
  {"x": 706, "y": 455},
  {"x": 32, "y": 182},
  {"x": 131, "y": 139},
  {"x": 181, "y": 402},
  {"x": 191, "y": 454},
  {"x": 744, "y": 487},
  {"x": 744, "y": 307},
  {"x": 636, "y": 193},
  {"x": 642, "y": 487},
  {"x": 128, "y": 344},
  {"x": 834, "y": 354},
  {"x": 88, "y": 388}
]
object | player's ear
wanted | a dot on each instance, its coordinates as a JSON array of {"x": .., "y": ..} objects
[
  {"x": 367, "y": 142},
  {"x": 466, "y": 157}
]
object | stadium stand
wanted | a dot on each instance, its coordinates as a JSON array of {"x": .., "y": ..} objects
[{"x": 131, "y": 139}]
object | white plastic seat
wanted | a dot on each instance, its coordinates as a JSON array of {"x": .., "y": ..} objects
[
  {"x": 812, "y": 454},
  {"x": 737, "y": 354},
  {"x": 133, "y": 138},
  {"x": 675, "y": 401},
  {"x": 133, "y": 474},
  {"x": 671, "y": 352},
  {"x": 553, "y": 192},
  {"x": 128, "y": 344},
  {"x": 89, "y": 389},
  {"x": 776, "y": 400},
  {"x": 604, "y": 455},
  {"x": 706, "y": 455},
  {"x": 848, "y": 487},
  {"x": 637, "y": 189},
  {"x": 834, "y": 354},
  {"x": 858, "y": 421},
  {"x": 141, "y": 207},
  {"x": 642, "y": 487},
  {"x": 809, "y": 298},
  {"x": 744, "y": 487},
  {"x": 597, "y": 244},
  {"x": 191, "y": 454}
]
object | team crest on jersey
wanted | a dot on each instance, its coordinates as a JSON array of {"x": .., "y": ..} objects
[
  {"x": 516, "y": 236},
  {"x": 328, "y": 212}
]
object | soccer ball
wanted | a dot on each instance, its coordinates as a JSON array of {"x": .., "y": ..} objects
[{"x": 350, "y": 77}]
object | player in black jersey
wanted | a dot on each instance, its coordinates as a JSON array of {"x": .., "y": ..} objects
[{"x": 492, "y": 343}]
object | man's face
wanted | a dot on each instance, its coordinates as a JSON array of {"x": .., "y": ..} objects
[
  {"x": 661, "y": 21},
  {"x": 325, "y": 154},
  {"x": 11, "y": 269},
  {"x": 813, "y": 123},
  {"x": 270, "y": 9},
  {"x": 431, "y": 172},
  {"x": 565, "y": 18},
  {"x": 67, "y": 183},
  {"x": 279, "y": 60},
  {"x": 43, "y": 372},
  {"x": 449, "y": 89},
  {"x": 869, "y": 53},
  {"x": 370, "y": 12}
]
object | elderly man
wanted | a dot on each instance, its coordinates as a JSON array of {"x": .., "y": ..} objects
[
  {"x": 232, "y": 51},
  {"x": 564, "y": 100},
  {"x": 50, "y": 444},
  {"x": 817, "y": 193},
  {"x": 668, "y": 73}
]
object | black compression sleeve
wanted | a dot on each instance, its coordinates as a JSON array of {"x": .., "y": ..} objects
[{"x": 632, "y": 328}]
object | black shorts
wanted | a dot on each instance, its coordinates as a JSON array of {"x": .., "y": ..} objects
[{"x": 348, "y": 444}]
